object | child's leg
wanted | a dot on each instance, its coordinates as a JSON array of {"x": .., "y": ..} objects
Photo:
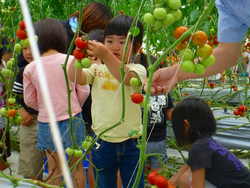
[
  {"x": 54, "y": 168},
  {"x": 90, "y": 175},
  {"x": 78, "y": 174},
  {"x": 119, "y": 180}
]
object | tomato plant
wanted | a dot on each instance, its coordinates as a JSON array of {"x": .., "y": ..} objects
[
  {"x": 18, "y": 119},
  {"x": 12, "y": 100},
  {"x": 22, "y": 24},
  {"x": 86, "y": 62},
  {"x": 78, "y": 65},
  {"x": 208, "y": 61},
  {"x": 70, "y": 151},
  {"x": 160, "y": 13},
  {"x": 187, "y": 66},
  {"x": 149, "y": 18},
  {"x": 204, "y": 51},
  {"x": 161, "y": 181},
  {"x": 199, "y": 69},
  {"x": 86, "y": 144},
  {"x": 137, "y": 98},
  {"x": 11, "y": 112},
  {"x": 78, "y": 152},
  {"x": 80, "y": 43},
  {"x": 17, "y": 48},
  {"x": 21, "y": 34},
  {"x": 3, "y": 111},
  {"x": 135, "y": 82},
  {"x": 78, "y": 54},
  {"x": 236, "y": 112},
  {"x": 187, "y": 54}
]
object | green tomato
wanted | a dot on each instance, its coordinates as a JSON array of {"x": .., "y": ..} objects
[
  {"x": 17, "y": 48},
  {"x": 86, "y": 144},
  {"x": 7, "y": 73},
  {"x": 3, "y": 111},
  {"x": 12, "y": 100},
  {"x": 168, "y": 20},
  {"x": 173, "y": 4},
  {"x": 25, "y": 42},
  {"x": 187, "y": 66},
  {"x": 9, "y": 64},
  {"x": 70, "y": 151},
  {"x": 187, "y": 54},
  {"x": 18, "y": 119},
  {"x": 199, "y": 69},
  {"x": 88, "y": 138},
  {"x": 134, "y": 82},
  {"x": 78, "y": 152},
  {"x": 177, "y": 14},
  {"x": 149, "y": 18},
  {"x": 204, "y": 51},
  {"x": 86, "y": 62},
  {"x": 208, "y": 61},
  {"x": 12, "y": 60},
  {"x": 78, "y": 65},
  {"x": 160, "y": 13},
  {"x": 158, "y": 24}
]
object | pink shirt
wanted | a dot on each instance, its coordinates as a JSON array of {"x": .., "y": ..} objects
[{"x": 57, "y": 88}]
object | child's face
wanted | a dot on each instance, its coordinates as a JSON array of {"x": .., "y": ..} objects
[
  {"x": 116, "y": 45},
  {"x": 27, "y": 54}
]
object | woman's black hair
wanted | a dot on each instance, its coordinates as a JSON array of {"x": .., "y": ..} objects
[
  {"x": 120, "y": 26},
  {"x": 199, "y": 116},
  {"x": 51, "y": 35},
  {"x": 97, "y": 34}
]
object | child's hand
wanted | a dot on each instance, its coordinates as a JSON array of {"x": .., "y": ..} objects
[
  {"x": 26, "y": 117},
  {"x": 97, "y": 49}
]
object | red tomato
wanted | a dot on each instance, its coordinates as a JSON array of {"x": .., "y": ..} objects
[
  {"x": 199, "y": 38},
  {"x": 161, "y": 181},
  {"x": 21, "y": 34},
  {"x": 151, "y": 177},
  {"x": 80, "y": 43},
  {"x": 216, "y": 42},
  {"x": 11, "y": 112},
  {"x": 236, "y": 112},
  {"x": 137, "y": 98},
  {"x": 179, "y": 31},
  {"x": 78, "y": 54},
  {"x": 186, "y": 94},
  {"x": 242, "y": 108},
  {"x": 233, "y": 86},
  {"x": 242, "y": 114},
  {"x": 170, "y": 185},
  {"x": 22, "y": 24},
  {"x": 235, "y": 89},
  {"x": 148, "y": 167},
  {"x": 211, "y": 37},
  {"x": 211, "y": 84},
  {"x": 210, "y": 43}
]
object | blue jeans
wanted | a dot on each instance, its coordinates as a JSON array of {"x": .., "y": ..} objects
[{"x": 109, "y": 157}]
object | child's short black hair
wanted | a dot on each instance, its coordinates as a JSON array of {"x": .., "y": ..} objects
[
  {"x": 120, "y": 26},
  {"x": 199, "y": 116},
  {"x": 51, "y": 35},
  {"x": 97, "y": 34}
]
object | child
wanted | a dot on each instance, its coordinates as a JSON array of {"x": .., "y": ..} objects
[
  {"x": 116, "y": 150},
  {"x": 52, "y": 44},
  {"x": 212, "y": 165},
  {"x": 30, "y": 161},
  {"x": 159, "y": 113}
]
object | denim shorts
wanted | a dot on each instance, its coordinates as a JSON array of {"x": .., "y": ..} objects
[
  {"x": 159, "y": 147},
  {"x": 44, "y": 136},
  {"x": 109, "y": 157}
]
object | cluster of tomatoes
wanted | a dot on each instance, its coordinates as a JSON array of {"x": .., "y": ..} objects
[
  {"x": 204, "y": 51},
  {"x": 80, "y": 53},
  {"x": 79, "y": 152},
  {"x": 165, "y": 14},
  {"x": 241, "y": 111},
  {"x": 212, "y": 40},
  {"x": 158, "y": 181},
  {"x": 211, "y": 85},
  {"x": 136, "y": 97},
  {"x": 14, "y": 116},
  {"x": 234, "y": 88}
]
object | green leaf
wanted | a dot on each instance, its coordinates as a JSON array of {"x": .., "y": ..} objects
[
  {"x": 135, "y": 31},
  {"x": 194, "y": 15}
]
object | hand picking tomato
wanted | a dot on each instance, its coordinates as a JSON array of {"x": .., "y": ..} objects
[
  {"x": 78, "y": 54},
  {"x": 151, "y": 177},
  {"x": 137, "y": 98},
  {"x": 80, "y": 43},
  {"x": 11, "y": 112},
  {"x": 161, "y": 181},
  {"x": 179, "y": 31}
]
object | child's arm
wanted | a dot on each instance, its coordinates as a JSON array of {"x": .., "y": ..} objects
[
  {"x": 100, "y": 51},
  {"x": 26, "y": 117},
  {"x": 184, "y": 170},
  {"x": 75, "y": 75},
  {"x": 198, "y": 178},
  {"x": 169, "y": 114}
]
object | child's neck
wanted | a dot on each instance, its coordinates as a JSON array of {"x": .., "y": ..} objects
[{"x": 50, "y": 52}]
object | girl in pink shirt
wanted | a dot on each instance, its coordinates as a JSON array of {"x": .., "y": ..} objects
[{"x": 52, "y": 45}]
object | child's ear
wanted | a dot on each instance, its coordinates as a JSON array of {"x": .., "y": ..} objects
[
  {"x": 138, "y": 47},
  {"x": 186, "y": 124}
]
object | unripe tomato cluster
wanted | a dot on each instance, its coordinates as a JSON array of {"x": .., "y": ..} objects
[
  {"x": 80, "y": 53},
  {"x": 14, "y": 116},
  {"x": 203, "y": 50},
  {"x": 158, "y": 181},
  {"x": 241, "y": 111},
  {"x": 165, "y": 13}
]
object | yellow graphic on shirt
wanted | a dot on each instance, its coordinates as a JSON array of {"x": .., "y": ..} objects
[{"x": 108, "y": 85}]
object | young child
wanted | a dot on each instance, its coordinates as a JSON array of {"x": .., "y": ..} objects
[
  {"x": 30, "y": 161},
  {"x": 116, "y": 150},
  {"x": 212, "y": 165},
  {"x": 159, "y": 113},
  {"x": 52, "y": 42}
]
